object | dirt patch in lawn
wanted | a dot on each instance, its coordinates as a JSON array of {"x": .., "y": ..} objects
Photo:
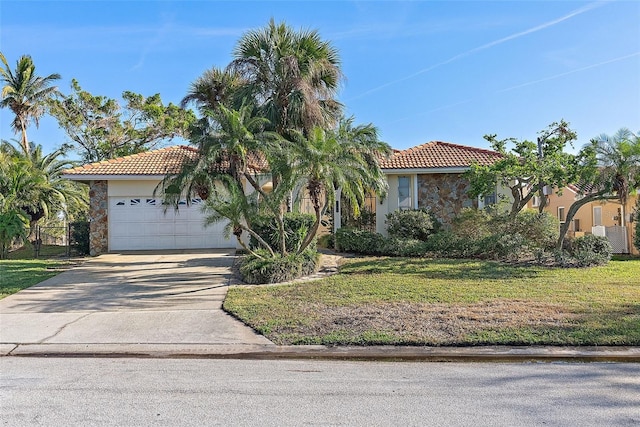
[{"x": 427, "y": 323}]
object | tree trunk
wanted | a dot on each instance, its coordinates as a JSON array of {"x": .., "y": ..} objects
[{"x": 573, "y": 210}]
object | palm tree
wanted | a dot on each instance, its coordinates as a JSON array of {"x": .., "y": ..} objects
[
  {"x": 213, "y": 88},
  {"x": 36, "y": 185},
  {"x": 25, "y": 94},
  {"x": 606, "y": 169},
  {"x": 618, "y": 156},
  {"x": 292, "y": 77},
  {"x": 345, "y": 159}
]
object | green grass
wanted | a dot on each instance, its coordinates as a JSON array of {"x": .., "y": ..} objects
[
  {"x": 46, "y": 251},
  {"x": 16, "y": 275},
  {"x": 449, "y": 302}
]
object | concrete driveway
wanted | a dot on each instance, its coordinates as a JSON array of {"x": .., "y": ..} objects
[{"x": 127, "y": 300}]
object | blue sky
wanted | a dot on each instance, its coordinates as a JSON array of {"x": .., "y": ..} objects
[{"x": 420, "y": 70}]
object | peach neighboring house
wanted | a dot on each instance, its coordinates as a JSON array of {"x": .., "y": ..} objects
[
  {"x": 598, "y": 217},
  {"x": 125, "y": 214}
]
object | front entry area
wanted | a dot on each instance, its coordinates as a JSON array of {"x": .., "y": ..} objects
[{"x": 144, "y": 223}]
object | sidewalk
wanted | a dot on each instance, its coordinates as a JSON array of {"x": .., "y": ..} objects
[{"x": 169, "y": 305}]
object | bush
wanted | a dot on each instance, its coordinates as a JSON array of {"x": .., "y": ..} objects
[
  {"x": 278, "y": 269},
  {"x": 472, "y": 224},
  {"x": 359, "y": 241},
  {"x": 410, "y": 224},
  {"x": 403, "y": 247},
  {"x": 501, "y": 246},
  {"x": 296, "y": 227},
  {"x": 540, "y": 230},
  {"x": 591, "y": 250},
  {"x": 327, "y": 241},
  {"x": 80, "y": 237}
]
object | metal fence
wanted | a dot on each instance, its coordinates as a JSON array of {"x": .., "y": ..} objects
[{"x": 69, "y": 240}]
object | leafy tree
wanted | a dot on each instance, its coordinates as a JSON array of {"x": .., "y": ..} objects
[
  {"x": 99, "y": 128},
  {"x": 607, "y": 169},
  {"x": 25, "y": 94},
  {"x": 528, "y": 168},
  {"x": 291, "y": 76}
]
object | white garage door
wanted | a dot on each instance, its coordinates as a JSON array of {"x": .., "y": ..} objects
[{"x": 137, "y": 223}]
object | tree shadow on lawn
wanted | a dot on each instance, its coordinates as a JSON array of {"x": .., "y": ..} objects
[{"x": 447, "y": 269}]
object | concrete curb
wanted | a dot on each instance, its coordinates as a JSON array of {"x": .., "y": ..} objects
[{"x": 374, "y": 353}]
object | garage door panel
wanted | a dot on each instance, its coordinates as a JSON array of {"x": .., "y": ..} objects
[{"x": 137, "y": 223}]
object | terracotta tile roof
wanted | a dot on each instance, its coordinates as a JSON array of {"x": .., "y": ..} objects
[
  {"x": 438, "y": 154},
  {"x": 157, "y": 162}
]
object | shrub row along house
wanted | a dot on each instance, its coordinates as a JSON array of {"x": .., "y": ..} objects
[{"x": 126, "y": 214}]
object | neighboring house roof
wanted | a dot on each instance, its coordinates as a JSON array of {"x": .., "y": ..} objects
[
  {"x": 438, "y": 154},
  {"x": 154, "y": 163}
]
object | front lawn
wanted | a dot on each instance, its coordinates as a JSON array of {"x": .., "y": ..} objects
[
  {"x": 18, "y": 274},
  {"x": 406, "y": 301}
]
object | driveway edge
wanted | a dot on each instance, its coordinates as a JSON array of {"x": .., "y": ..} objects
[{"x": 374, "y": 353}]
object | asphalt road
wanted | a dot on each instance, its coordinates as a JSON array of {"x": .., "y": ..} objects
[{"x": 197, "y": 392}]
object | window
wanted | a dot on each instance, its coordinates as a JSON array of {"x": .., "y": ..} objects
[
  {"x": 561, "y": 215},
  {"x": 120, "y": 203},
  {"x": 597, "y": 215},
  {"x": 490, "y": 199},
  {"x": 535, "y": 202},
  {"x": 151, "y": 202},
  {"x": 576, "y": 225},
  {"x": 134, "y": 202},
  {"x": 404, "y": 192}
]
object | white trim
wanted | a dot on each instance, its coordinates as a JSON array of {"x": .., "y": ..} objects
[{"x": 415, "y": 191}]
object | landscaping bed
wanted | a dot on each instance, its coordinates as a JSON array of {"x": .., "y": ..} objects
[{"x": 404, "y": 301}]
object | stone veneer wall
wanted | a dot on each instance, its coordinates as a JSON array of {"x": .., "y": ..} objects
[
  {"x": 444, "y": 194},
  {"x": 98, "y": 214}
]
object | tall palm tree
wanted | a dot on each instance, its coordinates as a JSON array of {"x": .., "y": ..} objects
[
  {"x": 292, "y": 77},
  {"x": 345, "y": 159},
  {"x": 25, "y": 94},
  {"x": 213, "y": 88},
  {"x": 618, "y": 156}
]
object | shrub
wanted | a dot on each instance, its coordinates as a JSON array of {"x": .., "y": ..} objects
[
  {"x": 359, "y": 241},
  {"x": 410, "y": 224},
  {"x": 540, "y": 230},
  {"x": 296, "y": 227},
  {"x": 278, "y": 269},
  {"x": 501, "y": 246},
  {"x": 591, "y": 250},
  {"x": 327, "y": 241},
  {"x": 472, "y": 224},
  {"x": 80, "y": 237},
  {"x": 403, "y": 247}
]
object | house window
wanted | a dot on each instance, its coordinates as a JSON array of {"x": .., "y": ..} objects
[
  {"x": 134, "y": 202},
  {"x": 120, "y": 203},
  {"x": 151, "y": 202},
  {"x": 561, "y": 215},
  {"x": 404, "y": 192},
  {"x": 490, "y": 199},
  {"x": 597, "y": 215},
  {"x": 535, "y": 202},
  {"x": 576, "y": 225}
]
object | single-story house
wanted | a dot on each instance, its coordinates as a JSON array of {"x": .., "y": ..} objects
[
  {"x": 430, "y": 176},
  {"x": 125, "y": 214}
]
